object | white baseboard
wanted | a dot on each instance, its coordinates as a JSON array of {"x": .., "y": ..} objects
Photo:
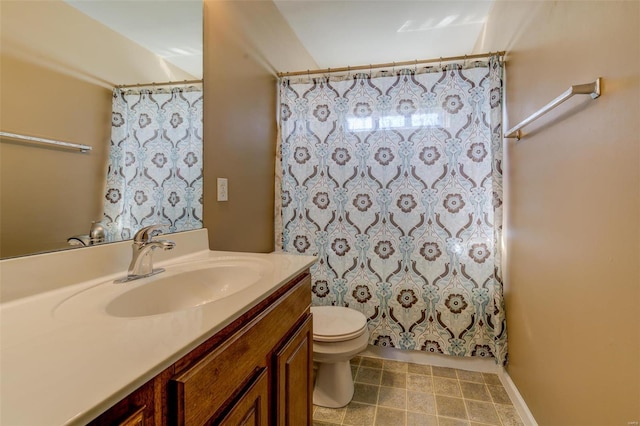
[
  {"x": 462, "y": 363},
  {"x": 516, "y": 398},
  {"x": 420, "y": 357}
]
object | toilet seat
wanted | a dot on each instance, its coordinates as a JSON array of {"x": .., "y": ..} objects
[{"x": 337, "y": 323}]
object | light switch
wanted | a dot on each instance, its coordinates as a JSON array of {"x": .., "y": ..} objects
[{"x": 223, "y": 189}]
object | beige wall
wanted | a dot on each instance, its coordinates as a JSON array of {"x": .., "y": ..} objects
[
  {"x": 240, "y": 120},
  {"x": 573, "y": 256},
  {"x": 48, "y": 195}
]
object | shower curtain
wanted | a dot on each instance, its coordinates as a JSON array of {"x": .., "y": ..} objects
[
  {"x": 394, "y": 181},
  {"x": 155, "y": 162}
]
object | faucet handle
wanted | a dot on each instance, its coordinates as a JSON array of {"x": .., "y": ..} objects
[{"x": 144, "y": 234}]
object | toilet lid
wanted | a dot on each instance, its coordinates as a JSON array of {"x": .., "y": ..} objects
[{"x": 337, "y": 323}]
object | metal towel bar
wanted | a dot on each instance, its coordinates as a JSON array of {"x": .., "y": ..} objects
[
  {"x": 82, "y": 148},
  {"x": 592, "y": 89}
]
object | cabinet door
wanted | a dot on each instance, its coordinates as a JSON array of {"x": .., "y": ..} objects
[
  {"x": 252, "y": 408},
  {"x": 294, "y": 365}
]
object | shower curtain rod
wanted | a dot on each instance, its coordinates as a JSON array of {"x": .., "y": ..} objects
[
  {"x": 390, "y": 64},
  {"x": 166, "y": 83}
]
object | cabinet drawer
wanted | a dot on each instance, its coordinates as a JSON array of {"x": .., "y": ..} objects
[{"x": 203, "y": 389}]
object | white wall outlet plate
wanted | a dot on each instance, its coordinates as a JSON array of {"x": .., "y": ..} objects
[{"x": 223, "y": 189}]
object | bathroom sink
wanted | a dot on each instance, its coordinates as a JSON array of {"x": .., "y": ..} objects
[
  {"x": 182, "y": 291},
  {"x": 180, "y": 287}
]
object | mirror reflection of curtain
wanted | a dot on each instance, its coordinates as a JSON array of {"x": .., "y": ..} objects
[
  {"x": 395, "y": 182},
  {"x": 154, "y": 173}
]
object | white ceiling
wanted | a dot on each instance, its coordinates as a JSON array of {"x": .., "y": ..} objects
[
  {"x": 336, "y": 33},
  {"x": 170, "y": 28},
  {"x": 359, "y": 32}
]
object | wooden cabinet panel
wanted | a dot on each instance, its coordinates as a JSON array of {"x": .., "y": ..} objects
[
  {"x": 136, "y": 419},
  {"x": 294, "y": 364},
  {"x": 137, "y": 407},
  {"x": 205, "y": 388},
  {"x": 252, "y": 409}
]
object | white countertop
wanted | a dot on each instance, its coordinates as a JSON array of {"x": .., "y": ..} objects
[{"x": 66, "y": 366}]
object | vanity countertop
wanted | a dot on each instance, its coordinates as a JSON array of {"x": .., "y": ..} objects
[{"x": 60, "y": 368}]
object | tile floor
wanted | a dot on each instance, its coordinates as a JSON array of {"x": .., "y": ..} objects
[{"x": 398, "y": 393}]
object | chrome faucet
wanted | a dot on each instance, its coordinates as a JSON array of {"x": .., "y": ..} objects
[{"x": 141, "y": 265}]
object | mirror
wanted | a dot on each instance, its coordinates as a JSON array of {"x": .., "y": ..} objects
[{"x": 59, "y": 66}]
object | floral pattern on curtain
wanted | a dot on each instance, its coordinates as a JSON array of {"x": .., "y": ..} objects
[
  {"x": 155, "y": 163},
  {"x": 395, "y": 182}
]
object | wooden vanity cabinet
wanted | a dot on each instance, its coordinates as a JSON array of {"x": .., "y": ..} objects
[{"x": 255, "y": 371}]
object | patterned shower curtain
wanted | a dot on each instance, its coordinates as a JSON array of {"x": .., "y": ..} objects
[
  {"x": 155, "y": 163},
  {"x": 395, "y": 182}
]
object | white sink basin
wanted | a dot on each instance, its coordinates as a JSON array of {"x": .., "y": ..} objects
[
  {"x": 182, "y": 291},
  {"x": 180, "y": 287}
]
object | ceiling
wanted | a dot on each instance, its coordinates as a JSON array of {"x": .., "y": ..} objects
[
  {"x": 336, "y": 33},
  {"x": 360, "y": 32},
  {"x": 170, "y": 28}
]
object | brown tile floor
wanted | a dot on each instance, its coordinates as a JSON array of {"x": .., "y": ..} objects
[{"x": 398, "y": 393}]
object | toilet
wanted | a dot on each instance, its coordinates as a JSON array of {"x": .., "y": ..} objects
[{"x": 339, "y": 334}]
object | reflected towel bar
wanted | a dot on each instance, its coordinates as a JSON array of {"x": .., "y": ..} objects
[
  {"x": 82, "y": 148},
  {"x": 592, "y": 89}
]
